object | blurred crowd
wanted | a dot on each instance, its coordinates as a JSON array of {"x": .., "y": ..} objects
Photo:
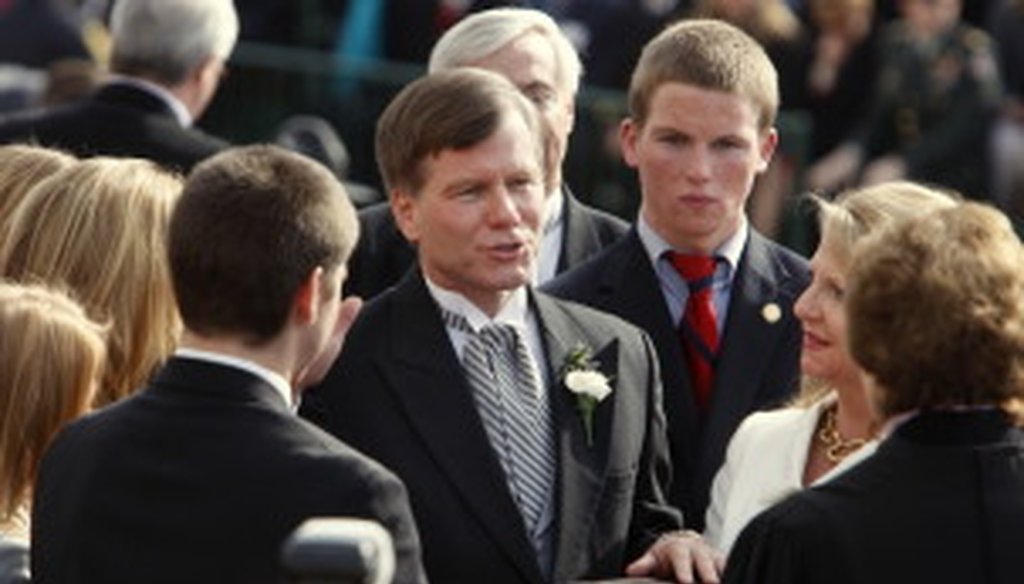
[{"x": 926, "y": 90}]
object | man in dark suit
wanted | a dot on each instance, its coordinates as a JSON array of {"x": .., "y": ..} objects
[
  {"x": 702, "y": 103},
  {"x": 168, "y": 58},
  {"x": 528, "y": 48},
  {"x": 202, "y": 475},
  {"x": 528, "y": 430},
  {"x": 943, "y": 348}
]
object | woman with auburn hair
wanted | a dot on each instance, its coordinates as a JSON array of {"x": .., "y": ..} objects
[
  {"x": 51, "y": 359},
  {"x": 21, "y": 167},
  {"x": 829, "y": 426},
  {"x": 98, "y": 228}
]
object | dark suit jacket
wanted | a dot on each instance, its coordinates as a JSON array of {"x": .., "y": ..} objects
[
  {"x": 117, "y": 120},
  {"x": 382, "y": 255},
  {"x": 200, "y": 478},
  {"x": 942, "y": 500},
  {"x": 398, "y": 392},
  {"x": 758, "y": 363}
]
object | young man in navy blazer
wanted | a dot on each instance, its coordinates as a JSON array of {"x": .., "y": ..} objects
[{"x": 702, "y": 104}]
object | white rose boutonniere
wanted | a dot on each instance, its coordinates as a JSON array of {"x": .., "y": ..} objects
[{"x": 581, "y": 377}]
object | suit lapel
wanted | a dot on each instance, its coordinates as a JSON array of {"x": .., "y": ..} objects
[
  {"x": 581, "y": 466},
  {"x": 740, "y": 364},
  {"x": 432, "y": 387},
  {"x": 632, "y": 291}
]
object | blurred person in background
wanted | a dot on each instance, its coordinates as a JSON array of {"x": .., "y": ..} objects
[
  {"x": 167, "y": 58},
  {"x": 937, "y": 93},
  {"x": 98, "y": 228}
]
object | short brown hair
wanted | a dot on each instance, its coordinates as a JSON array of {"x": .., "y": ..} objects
[
  {"x": 51, "y": 358},
  {"x": 252, "y": 224},
  {"x": 709, "y": 54},
  {"x": 99, "y": 229},
  {"x": 448, "y": 110},
  {"x": 936, "y": 310}
]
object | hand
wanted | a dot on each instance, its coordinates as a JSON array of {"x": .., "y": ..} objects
[
  {"x": 679, "y": 555},
  {"x": 885, "y": 169},
  {"x": 836, "y": 169},
  {"x": 317, "y": 369}
]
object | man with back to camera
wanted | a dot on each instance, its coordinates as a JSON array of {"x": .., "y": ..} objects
[
  {"x": 528, "y": 430},
  {"x": 715, "y": 296},
  {"x": 168, "y": 58},
  {"x": 528, "y": 48},
  {"x": 201, "y": 476}
]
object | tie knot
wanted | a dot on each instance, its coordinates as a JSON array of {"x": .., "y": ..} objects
[{"x": 697, "y": 270}]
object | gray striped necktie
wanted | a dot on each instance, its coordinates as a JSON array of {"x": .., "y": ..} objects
[{"x": 514, "y": 410}]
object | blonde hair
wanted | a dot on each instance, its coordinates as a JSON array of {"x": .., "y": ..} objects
[
  {"x": 21, "y": 167},
  {"x": 936, "y": 311},
  {"x": 99, "y": 228},
  {"x": 51, "y": 357},
  {"x": 857, "y": 213}
]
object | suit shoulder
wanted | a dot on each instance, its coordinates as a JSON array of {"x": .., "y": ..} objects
[
  {"x": 595, "y": 321},
  {"x": 608, "y": 227},
  {"x": 579, "y": 282}
]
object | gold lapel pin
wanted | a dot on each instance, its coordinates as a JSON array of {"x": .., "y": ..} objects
[{"x": 771, "y": 313}]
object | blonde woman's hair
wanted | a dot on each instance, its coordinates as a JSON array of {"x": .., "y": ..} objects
[
  {"x": 857, "y": 213},
  {"x": 99, "y": 228},
  {"x": 51, "y": 358},
  {"x": 21, "y": 167}
]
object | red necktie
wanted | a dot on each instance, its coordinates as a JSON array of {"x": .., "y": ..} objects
[{"x": 697, "y": 329}]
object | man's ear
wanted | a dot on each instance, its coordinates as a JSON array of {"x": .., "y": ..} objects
[
  {"x": 403, "y": 207},
  {"x": 766, "y": 149},
  {"x": 628, "y": 131},
  {"x": 306, "y": 306}
]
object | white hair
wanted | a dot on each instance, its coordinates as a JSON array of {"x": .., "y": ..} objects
[
  {"x": 167, "y": 39},
  {"x": 482, "y": 33}
]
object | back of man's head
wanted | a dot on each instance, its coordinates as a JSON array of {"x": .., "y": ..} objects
[
  {"x": 165, "y": 40},
  {"x": 252, "y": 224}
]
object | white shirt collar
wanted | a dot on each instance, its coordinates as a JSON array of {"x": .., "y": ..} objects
[
  {"x": 513, "y": 312},
  {"x": 554, "y": 206},
  {"x": 276, "y": 380},
  {"x": 177, "y": 108},
  {"x": 730, "y": 250}
]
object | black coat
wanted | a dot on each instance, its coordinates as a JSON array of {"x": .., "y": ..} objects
[
  {"x": 942, "y": 500},
  {"x": 199, "y": 478},
  {"x": 118, "y": 120}
]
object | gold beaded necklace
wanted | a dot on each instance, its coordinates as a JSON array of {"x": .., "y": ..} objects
[{"x": 836, "y": 447}]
